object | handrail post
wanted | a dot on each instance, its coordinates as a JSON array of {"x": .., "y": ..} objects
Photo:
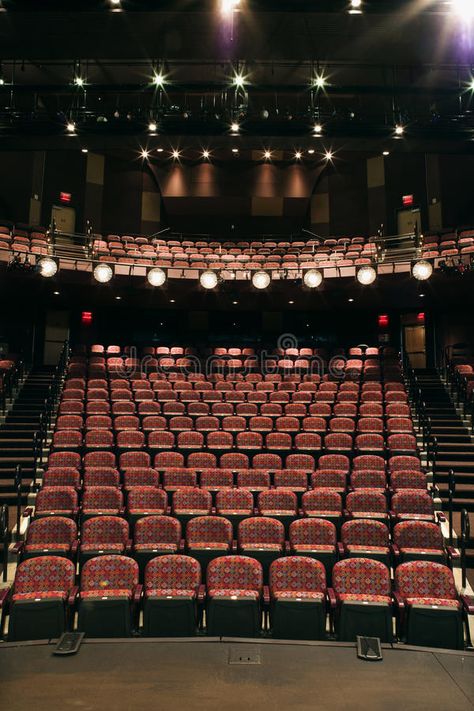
[
  {"x": 4, "y": 526},
  {"x": 18, "y": 482},
  {"x": 465, "y": 535},
  {"x": 451, "y": 492}
]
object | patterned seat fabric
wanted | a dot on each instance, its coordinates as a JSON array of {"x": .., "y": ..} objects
[
  {"x": 216, "y": 479},
  {"x": 359, "y": 534},
  {"x": 43, "y": 577},
  {"x": 109, "y": 575},
  {"x": 297, "y": 577},
  {"x": 62, "y": 476},
  {"x": 172, "y": 576},
  {"x": 235, "y": 576},
  {"x": 309, "y": 533},
  {"x": 56, "y": 499},
  {"x": 57, "y": 533},
  {"x": 277, "y": 500},
  {"x": 423, "y": 582},
  {"x": 366, "y": 502},
  {"x": 192, "y": 501},
  {"x": 104, "y": 532},
  {"x": 322, "y": 501},
  {"x": 146, "y": 498},
  {"x": 359, "y": 579},
  {"x": 157, "y": 532},
  {"x": 261, "y": 532},
  {"x": 209, "y": 532},
  {"x": 140, "y": 476},
  {"x": 413, "y": 535},
  {"x": 408, "y": 480},
  {"x": 102, "y": 499},
  {"x": 234, "y": 501},
  {"x": 414, "y": 504},
  {"x": 329, "y": 479}
]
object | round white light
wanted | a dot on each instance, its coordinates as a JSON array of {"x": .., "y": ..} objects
[
  {"x": 356, "y": 3},
  {"x": 422, "y": 270},
  {"x": 208, "y": 280},
  {"x": 463, "y": 9},
  {"x": 71, "y": 127},
  {"x": 156, "y": 276},
  {"x": 79, "y": 81},
  {"x": 235, "y": 128},
  {"x": 298, "y": 155},
  {"x": 366, "y": 275},
  {"x": 267, "y": 155},
  {"x": 103, "y": 273},
  {"x": 152, "y": 126},
  {"x": 313, "y": 278},
  {"x": 320, "y": 81},
  {"x": 158, "y": 79},
  {"x": 399, "y": 130},
  {"x": 261, "y": 280},
  {"x": 47, "y": 267},
  {"x": 239, "y": 80},
  {"x": 318, "y": 128}
]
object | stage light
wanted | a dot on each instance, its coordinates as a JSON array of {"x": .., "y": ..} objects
[
  {"x": 464, "y": 9},
  {"x": 159, "y": 150},
  {"x": 175, "y": 154},
  {"x": 208, "y": 280},
  {"x": 144, "y": 154},
  {"x": 47, "y": 267},
  {"x": 366, "y": 275},
  {"x": 205, "y": 155},
  {"x": 318, "y": 128},
  {"x": 84, "y": 150},
  {"x": 399, "y": 130},
  {"x": 319, "y": 81},
  {"x": 422, "y": 270},
  {"x": 311, "y": 151},
  {"x": 328, "y": 155},
  {"x": 103, "y": 273},
  {"x": 298, "y": 155},
  {"x": 471, "y": 84},
  {"x": 156, "y": 276},
  {"x": 235, "y": 128},
  {"x": 261, "y": 280},
  {"x": 267, "y": 155},
  {"x": 235, "y": 151},
  {"x": 313, "y": 278},
  {"x": 70, "y": 127},
  {"x": 239, "y": 81},
  {"x": 79, "y": 81},
  {"x": 152, "y": 126},
  {"x": 386, "y": 153},
  {"x": 227, "y": 7},
  {"x": 355, "y": 7},
  {"x": 158, "y": 80}
]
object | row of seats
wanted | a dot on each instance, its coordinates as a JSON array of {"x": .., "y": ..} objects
[
  {"x": 98, "y": 349},
  {"x": 361, "y": 600},
  {"x": 449, "y": 244}
]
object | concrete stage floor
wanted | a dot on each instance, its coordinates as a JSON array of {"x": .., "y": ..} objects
[{"x": 120, "y": 675}]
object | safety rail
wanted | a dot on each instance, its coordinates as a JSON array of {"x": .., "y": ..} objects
[
  {"x": 4, "y": 533},
  {"x": 451, "y": 493},
  {"x": 465, "y": 537}
]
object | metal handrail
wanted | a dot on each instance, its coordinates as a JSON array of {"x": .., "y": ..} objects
[
  {"x": 18, "y": 485},
  {"x": 5, "y": 539},
  {"x": 451, "y": 493},
  {"x": 465, "y": 536}
]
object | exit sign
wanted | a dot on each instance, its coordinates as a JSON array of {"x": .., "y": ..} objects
[
  {"x": 65, "y": 197},
  {"x": 407, "y": 199}
]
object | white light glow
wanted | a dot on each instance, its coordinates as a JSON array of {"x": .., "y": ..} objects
[
  {"x": 366, "y": 275},
  {"x": 261, "y": 280},
  {"x": 239, "y": 81},
  {"x": 208, "y": 280},
  {"x": 235, "y": 128},
  {"x": 175, "y": 154},
  {"x": 298, "y": 155},
  {"x": 205, "y": 154},
  {"x": 399, "y": 130},
  {"x": 79, "y": 81},
  {"x": 267, "y": 155},
  {"x": 47, "y": 267},
  {"x": 158, "y": 80},
  {"x": 464, "y": 9},
  {"x": 156, "y": 276},
  {"x": 422, "y": 270},
  {"x": 71, "y": 127},
  {"x": 144, "y": 154},
  {"x": 328, "y": 155},
  {"x": 152, "y": 126},
  {"x": 227, "y": 7},
  {"x": 319, "y": 81},
  {"x": 318, "y": 128},
  {"x": 103, "y": 273},
  {"x": 313, "y": 278}
]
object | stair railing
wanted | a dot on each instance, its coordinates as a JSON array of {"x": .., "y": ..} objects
[
  {"x": 18, "y": 484},
  {"x": 451, "y": 492},
  {"x": 431, "y": 457},
  {"x": 465, "y": 536},
  {"x": 5, "y": 539},
  {"x": 37, "y": 456}
]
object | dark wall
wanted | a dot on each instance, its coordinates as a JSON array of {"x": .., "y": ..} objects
[
  {"x": 65, "y": 171},
  {"x": 16, "y": 171},
  {"x": 348, "y": 198},
  {"x": 405, "y": 174},
  {"x": 457, "y": 189},
  {"x": 123, "y": 181}
]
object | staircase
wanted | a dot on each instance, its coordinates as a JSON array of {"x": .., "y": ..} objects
[
  {"x": 17, "y": 434},
  {"x": 455, "y": 447}
]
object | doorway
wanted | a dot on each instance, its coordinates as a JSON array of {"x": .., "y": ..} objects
[
  {"x": 65, "y": 218},
  {"x": 415, "y": 345},
  {"x": 407, "y": 219}
]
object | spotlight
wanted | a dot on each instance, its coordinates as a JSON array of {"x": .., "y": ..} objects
[
  {"x": 311, "y": 151},
  {"x": 319, "y": 81},
  {"x": 313, "y": 278},
  {"x": 239, "y": 81},
  {"x": 355, "y": 7},
  {"x": 366, "y": 275},
  {"x": 158, "y": 80},
  {"x": 47, "y": 267},
  {"x": 70, "y": 127},
  {"x": 116, "y": 3},
  {"x": 56, "y": 293},
  {"x": 318, "y": 128},
  {"x": 471, "y": 84},
  {"x": 144, "y": 154},
  {"x": 103, "y": 273},
  {"x": 267, "y": 155},
  {"x": 118, "y": 298},
  {"x": 291, "y": 302},
  {"x": 235, "y": 151},
  {"x": 261, "y": 280},
  {"x": 208, "y": 280},
  {"x": 152, "y": 126},
  {"x": 156, "y": 276},
  {"x": 463, "y": 9},
  {"x": 235, "y": 303},
  {"x": 328, "y": 155},
  {"x": 175, "y": 154},
  {"x": 235, "y": 128},
  {"x": 386, "y": 153},
  {"x": 422, "y": 270},
  {"x": 79, "y": 81},
  {"x": 159, "y": 150},
  {"x": 399, "y": 130},
  {"x": 350, "y": 301},
  {"x": 84, "y": 150},
  {"x": 229, "y": 6},
  {"x": 205, "y": 155},
  {"x": 298, "y": 155}
]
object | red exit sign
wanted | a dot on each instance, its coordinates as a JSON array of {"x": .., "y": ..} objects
[
  {"x": 407, "y": 200},
  {"x": 65, "y": 197}
]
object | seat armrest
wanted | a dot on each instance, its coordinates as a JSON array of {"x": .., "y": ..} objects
[
  {"x": 75, "y": 511},
  {"x": 287, "y": 547},
  {"x": 392, "y": 515},
  {"x": 182, "y": 544},
  {"x": 201, "y": 594},
  {"x": 74, "y": 548},
  {"x": 399, "y": 601},
  {"x": 440, "y": 516},
  {"x": 346, "y": 513},
  {"x": 234, "y": 545},
  {"x": 340, "y": 549},
  {"x": 332, "y": 598},
  {"x": 137, "y": 594},
  {"x": 18, "y": 548},
  {"x": 453, "y": 552},
  {"x": 128, "y": 545},
  {"x": 168, "y": 511},
  {"x": 395, "y": 550},
  {"x": 266, "y": 595},
  {"x": 468, "y": 604},
  {"x": 28, "y": 512},
  {"x": 72, "y": 597}
]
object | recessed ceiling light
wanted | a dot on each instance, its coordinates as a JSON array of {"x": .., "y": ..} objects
[
  {"x": 235, "y": 303},
  {"x": 318, "y": 128},
  {"x": 235, "y": 128},
  {"x": 172, "y": 301},
  {"x": 319, "y": 81},
  {"x": 298, "y": 155},
  {"x": 152, "y": 126},
  {"x": 399, "y": 130},
  {"x": 118, "y": 298},
  {"x": 350, "y": 300},
  {"x": 235, "y": 150},
  {"x": 267, "y": 155},
  {"x": 159, "y": 150},
  {"x": 311, "y": 151},
  {"x": 84, "y": 150},
  {"x": 175, "y": 154},
  {"x": 386, "y": 153},
  {"x": 70, "y": 126},
  {"x": 56, "y": 293},
  {"x": 144, "y": 153},
  {"x": 328, "y": 155},
  {"x": 291, "y": 302},
  {"x": 158, "y": 79},
  {"x": 205, "y": 154}
]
